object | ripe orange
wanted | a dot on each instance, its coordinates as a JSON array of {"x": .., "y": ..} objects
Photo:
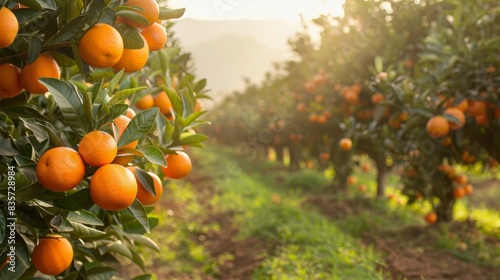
[
  {"x": 377, "y": 98},
  {"x": 121, "y": 123},
  {"x": 324, "y": 156},
  {"x": 163, "y": 103},
  {"x": 60, "y": 169},
  {"x": 447, "y": 141},
  {"x": 52, "y": 255},
  {"x": 461, "y": 179},
  {"x": 458, "y": 192},
  {"x": 309, "y": 164},
  {"x": 10, "y": 84},
  {"x": 482, "y": 119},
  {"x": 151, "y": 12},
  {"x": 179, "y": 165},
  {"x": 463, "y": 105},
  {"x": 431, "y": 218},
  {"x": 476, "y": 107},
  {"x": 198, "y": 107},
  {"x": 8, "y": 27},
  {"x": 345, "y": 144},
  {"x": 101, "y": 46},
  {"x": 113, "y": 187},
  {"x": 130, "y": 113},
  {"x": 310, "y": 86},
  {"x": 351, "y": 97},
  {"x": 144, "y": 196},
  {"x": 365, "y": 167},
  {"x": 351, "y": 180},
  {"x": 319, "y": 98},
  {"x": 97, "y": 148},
  {"x": 148, "y": 101},
  {"x": 155, "y": 35},
  {"x": 438, "y": 127},
  {"x": 468, "y": 189},
  {"x": 313, "y": 117},
  {"x": 43, "y": 67},
  {"x": 133, "y": 59},
  {"x": 458, "y": 114},
  {"x": 362, "y": 188}
]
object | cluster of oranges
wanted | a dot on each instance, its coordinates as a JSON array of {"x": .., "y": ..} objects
[
  {"x": 461, "y": 181},
  {"x": 102, "y": 45}
]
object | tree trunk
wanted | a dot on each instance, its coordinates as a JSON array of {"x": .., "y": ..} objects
[
  {"x": 381, "y": 176},
  {"x": 444, "y": 210},
  {"x": 279, "y": 154}
]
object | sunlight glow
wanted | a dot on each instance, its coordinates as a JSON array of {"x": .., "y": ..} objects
[{"x": 289, "y": 10}]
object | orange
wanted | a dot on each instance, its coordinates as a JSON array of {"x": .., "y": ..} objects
[
  {"x": 377, "y": 98},
  {"x": 310, "y": 86},
  {"x": 476, "y": 107},
  {"x": 300, "y": 107},
  {"x": 163, "y": 103},
  {"x": 461, "y": 179},
  {"x": 151, "y": 12},
  {"x": 431, "y": 218},
  {"x": 178, "y": 165},
  {"x": 345, "y": 144},
  {"x": 309, "y": 164},
  {"x": 60, "y": 169},
  {"x": 437, "y": 127},
  {"x": 324, "y": 156},
  {"x": 468, "y": 189},
  {"x": 362, "y": 188},
  {"x": 143, "y": 195},
  {"x": 121, "y": 123},
  {"x": 52, "y": 255},
  {"x": 155, "y": 35},
  {"x": 351, "y": 180},
  {"x": 130, "y": 113},
  {"x": 365, "y": 167},
  {"x": 10, "y": 84},
  {"x": 8, "y": 27},
  {"x": 352, "y": 97},
  {"x": 458, "y": 114},
  {"x": 101, "y": 46},
  {"x": 43, "y": 67},
  {"x": 113, "y": 187},
  {"x": 319, "y": 98},
  {"x": 482, "y": 119},
  {"x": 313, "y": 117},
  {"x": 97, "y": 148},
  {"x": 198, "y": 107},
  {"x": 447, "y": 141},
  {"x": 458, "y": 192},
  {"x": 148, "y": 101},
  {"x": 133, "y": 59},
  {"x": 463, "y": 105}
]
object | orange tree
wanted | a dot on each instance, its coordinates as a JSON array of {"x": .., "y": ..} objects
[
  {"x": 69, "y": 128},
  {"x": 452, "y": 100},
  {"x": 435, "y": 58}
]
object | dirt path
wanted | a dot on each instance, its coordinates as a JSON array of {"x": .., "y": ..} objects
[{"x": 409, "y": 251}]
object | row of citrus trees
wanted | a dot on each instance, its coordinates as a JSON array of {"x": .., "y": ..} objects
[
  {"x": 413, "y": 85},
  {"x": 96, "y": 110}
]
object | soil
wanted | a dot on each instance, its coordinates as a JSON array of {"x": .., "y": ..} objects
[{"x": 409, "y": 252}]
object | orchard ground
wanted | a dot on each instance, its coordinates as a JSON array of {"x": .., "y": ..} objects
[{"x": 235, "y": 218}]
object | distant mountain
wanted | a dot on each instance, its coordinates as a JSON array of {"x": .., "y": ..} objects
[{"x": 225, "y": 52}]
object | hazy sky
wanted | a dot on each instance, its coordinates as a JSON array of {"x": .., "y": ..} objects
[{"x": 257, "y": 9}]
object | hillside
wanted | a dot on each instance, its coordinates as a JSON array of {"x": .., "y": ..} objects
[{"x": 228, "y": 51}]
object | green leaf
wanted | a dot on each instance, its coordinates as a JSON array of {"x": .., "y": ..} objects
[
  {"x": 100, "y": 273},
  {"x": 146, "y": 180},
  {"x": 3, "y": 221},
  {"x": 83, "y": 68},
  {"x": 34, "y": 49},
  {"x": 70, "y": 104},
  {"x": 138, "y": 211},
  {"x": 154, "y": 155},
  {"x": 29, "y": 192},
  {"x": 22, "y": 262},
  {"x": 123, "y": 94},
  {"x": 131, "y": 37},
  {"x": 174, "y": 99},
  {"x": 139, "y": 127},
  {"x": 200, "y": 85},
  {"x": 146, "y": 241},
  {"x": 422, "y": 112},
  {"x": 87, "y": 107},
  {"x": 38, "y": 131},
  {"x": 24, "y": 112},
  {"x": 84, "y": 231},
  {"x": 166, "y": 13},
  {"x": 39, "y": 4},
  {"x": 191, "y": 118},
  {"x": 84, "y": 217},
  {"x": 193, "y": 139},
  {"x": 75, "y": 201},
  {"x": 30, "y": 216},
  {"x": 115, "y": 81}
]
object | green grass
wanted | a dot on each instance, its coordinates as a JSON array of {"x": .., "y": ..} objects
[{"x": 310, "y": 246}]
